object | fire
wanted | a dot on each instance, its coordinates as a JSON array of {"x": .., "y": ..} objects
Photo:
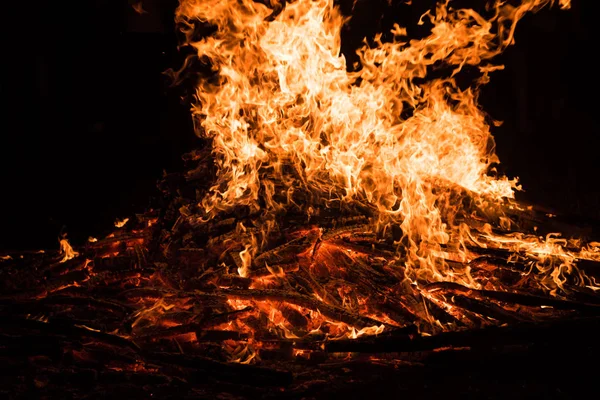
[
  {"x": 119, "y": 223},
  {"x": 354, "y": 210},
  {"x": 299, "y": 140},
  {"x": 294, "y": 130},
  {"x": 372, "y": 330},
  {"x": 139, "y": 7},
  {"x": 66, "y": 250}
]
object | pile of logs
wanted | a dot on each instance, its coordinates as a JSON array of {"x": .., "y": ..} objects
[{"x": 158, "y": 308}]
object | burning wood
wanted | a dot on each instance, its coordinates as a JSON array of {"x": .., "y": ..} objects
[{"x": 350, "y": 213}]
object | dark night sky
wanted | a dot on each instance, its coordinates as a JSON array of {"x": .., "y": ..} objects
[{"x": 89, "y": 123}]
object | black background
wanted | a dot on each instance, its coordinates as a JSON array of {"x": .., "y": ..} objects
[{"x": 89, "y": 122}]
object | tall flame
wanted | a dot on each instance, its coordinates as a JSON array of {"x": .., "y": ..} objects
[{"x": 293, "y": 129}]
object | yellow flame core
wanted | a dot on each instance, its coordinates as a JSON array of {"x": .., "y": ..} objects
[
  {"x": 66, "y": 250},
  {"x": 291, "y": 127},
  {"x": 119, "y": 223}
]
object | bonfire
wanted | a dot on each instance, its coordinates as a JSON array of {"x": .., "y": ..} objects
[{"x": 334, "y": 218}]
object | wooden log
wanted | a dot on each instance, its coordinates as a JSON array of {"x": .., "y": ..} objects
[
  {"x": 555, "y": 332},
  {"x": 219, "y": 336},
  {"x": 109, "y": 278},
  {"x": 232, "y": 372},
  {"x": 87, "y": 302},
  {"x": 336, "y": 313},
  {"x": 515, "y": 298},
  {"x": 199, "y": 326},
  {"x": 287, "y": 253},
  {"x": 69, "y": 331},
  {"x": 488, "y": 310}
]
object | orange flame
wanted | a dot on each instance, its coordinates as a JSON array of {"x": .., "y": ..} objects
[
  {"x": 119, "y": 223},
  {"x": 288, "y": 122},
  {"x": 67, "y": 251}
]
